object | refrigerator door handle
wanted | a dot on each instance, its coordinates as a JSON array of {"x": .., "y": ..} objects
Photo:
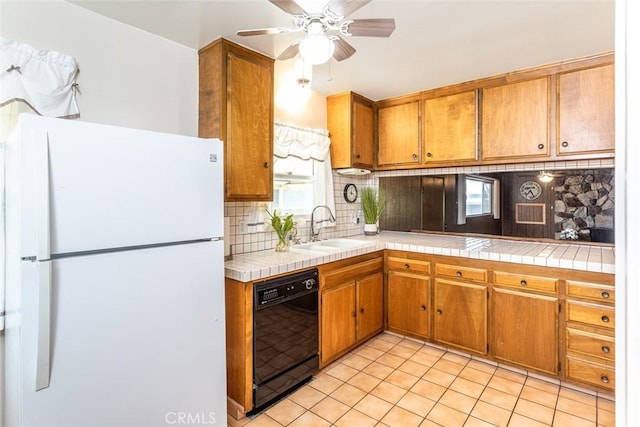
[
  {"x": 43, "y": 350},
  {"x": 43, "y": 202}
]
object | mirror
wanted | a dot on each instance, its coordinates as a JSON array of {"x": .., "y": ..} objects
[{"x": 561, "y": 205}]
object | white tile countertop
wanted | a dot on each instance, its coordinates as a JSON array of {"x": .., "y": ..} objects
[{"x": 259, "y": 265}]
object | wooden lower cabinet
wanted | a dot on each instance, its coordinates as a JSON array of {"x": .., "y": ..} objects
[
  {"x": 525, "y": 329},
  {"x": 351, "y": 305},
  {"x": 460, "y": 315},
  {"x": 408, "y": 308}
]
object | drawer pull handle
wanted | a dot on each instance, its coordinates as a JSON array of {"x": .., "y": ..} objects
[
  {"x": 423, "y": 307},
  {"x": 429, "y": 154},
  {"x": 407, "y": 266},
  {"x": 459, "y": 273},
  {"x": 605, "y": 294},
  {"x": 540, "y": 146},
  {"x": 604, "y": 379},
  {"x": 605, "y": 349},
  {"x": 439, "y": 312},
  {"x": 523, "y": 283},
  {"x": 605, "y": 319}
]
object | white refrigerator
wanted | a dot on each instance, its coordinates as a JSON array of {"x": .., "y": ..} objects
[{"x": 115, "y": 278}]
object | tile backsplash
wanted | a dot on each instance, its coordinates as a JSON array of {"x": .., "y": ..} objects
[{"x": 349, "y": 219}]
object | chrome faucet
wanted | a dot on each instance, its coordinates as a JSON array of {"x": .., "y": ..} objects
[{"x": 314, "y": 234}]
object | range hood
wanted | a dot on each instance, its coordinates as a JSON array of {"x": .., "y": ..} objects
[{"x": 353, "y": 171}]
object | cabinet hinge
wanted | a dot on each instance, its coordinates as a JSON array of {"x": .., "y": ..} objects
[
  {"x": 559, "y": 307},
  {"x": 559, "y": 366},
  {"x": 487, "y": 347}
]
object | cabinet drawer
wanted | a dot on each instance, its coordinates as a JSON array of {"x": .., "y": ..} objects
[
  {"x": 591, "y": 373},
  {"x": 592, "y": 344},
  {"x": 535, "y": 283},
  {"x": 468, "y": 273},
  {"x": 409, "y": 264},
  {"x": 593, "y": 291},
  {"x": 592, "y": 314}
]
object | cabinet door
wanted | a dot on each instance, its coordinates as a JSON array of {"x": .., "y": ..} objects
[
  {"x": 525, "y": 329},
  {"x": 369, "y": 304},
  {"x": 586, "y": 111},
  {"x": 450, "y": 128},
  {"x": 408, "y": 303},
  {"x": 399, "y": 134},
  {"x": 249, "y": 149},
  {"x": 461, "y": 315},
  {"x": 338, "y": 324},
  {"x": 362, "y": 134},
  {"x": 515, "y": 120}
]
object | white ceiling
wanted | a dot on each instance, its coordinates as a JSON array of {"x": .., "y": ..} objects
[{"x": 436, "y": 42}]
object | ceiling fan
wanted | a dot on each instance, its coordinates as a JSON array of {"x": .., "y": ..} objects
[{"x": 324, "y": 30}]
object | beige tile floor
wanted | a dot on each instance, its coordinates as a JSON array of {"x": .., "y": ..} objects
[{"x": 397, "y": 382}]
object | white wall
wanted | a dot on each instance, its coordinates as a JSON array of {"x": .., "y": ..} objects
[{"x": 127, "y": 77}]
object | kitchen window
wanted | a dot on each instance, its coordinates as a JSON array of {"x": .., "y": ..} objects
[{"x": 301, "y": 169}]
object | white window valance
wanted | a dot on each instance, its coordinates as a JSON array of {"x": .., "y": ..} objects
[
  {"x": 44, "y": 80},
  {"x": 300, "y": 142}
]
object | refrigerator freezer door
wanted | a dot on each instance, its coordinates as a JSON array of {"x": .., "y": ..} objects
[
  {"x": 137, "y": 339},
  {"x": 112, "y": 187}
]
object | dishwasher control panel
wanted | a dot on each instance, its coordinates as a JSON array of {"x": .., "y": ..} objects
[{"x": 285, "y": 287}]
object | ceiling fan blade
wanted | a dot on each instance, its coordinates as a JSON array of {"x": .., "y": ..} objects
[
  {"x": 370, "y": 27},
  {"x": 346, "y": 7},
  {"x": 343, "y": 49},
  {"x": 267, "y": 31},
  {"x": 289, "y": 6},
  {"x": 289, "y": 52}
]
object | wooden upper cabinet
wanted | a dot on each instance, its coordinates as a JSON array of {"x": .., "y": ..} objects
[
  {"x": 515, "y": 120},
  {"x": 399, "y": 134},
  {"x": 585, "y": 100},
  {"x": 236, "y": 105},
  {"x": 350, "y": 125},
  {"x": 450, "y": 128}
]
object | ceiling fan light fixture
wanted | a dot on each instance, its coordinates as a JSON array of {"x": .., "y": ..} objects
[
  {"x": 545, "y": 177},
  {"x": 316, "y": 48}
]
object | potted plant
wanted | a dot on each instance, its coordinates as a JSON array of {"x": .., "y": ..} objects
[
  {"x": 372, "y": 207},
  {"x": 282, "y": 229}
]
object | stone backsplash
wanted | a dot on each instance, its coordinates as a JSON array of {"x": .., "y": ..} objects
[{"x": 585, "y": 202}]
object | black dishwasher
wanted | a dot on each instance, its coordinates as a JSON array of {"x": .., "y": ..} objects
[{"x": 285, "y": 335}]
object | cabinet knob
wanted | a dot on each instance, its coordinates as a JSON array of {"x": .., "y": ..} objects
[
  {"x": 540, "y": 146},
  {"x": 439, "y": 312},
  {"x": 605, "y": 319},
  {"x": 605, "y": 294},
  {"x": 407, "y": 266},
  {"x": 565, "y": 144},
  {"x": 428, "y": 154},
  {"x": 414, "y": 156},
  {"x": 353, "y": 314},
  {"x": 423, "y": 307},
  {"x": 605, "y": 349},
  {"x": 523, "y": 283},
  {"x": 357, "y": 156},
  {"x": 361, "y": 310},
  {"x": 266, "y": 165},
  {"x": 604, "y": 379},
  {"x": 459, "y": 273}
]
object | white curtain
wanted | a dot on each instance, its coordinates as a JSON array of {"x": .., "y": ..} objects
[
  {"x": 31, "y": 81},
  {"x": 312, "y": 145},
  {"x": 44, "y": 80}
]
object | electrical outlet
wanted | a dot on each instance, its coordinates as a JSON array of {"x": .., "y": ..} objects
[{"x": 243, "y": 227}]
